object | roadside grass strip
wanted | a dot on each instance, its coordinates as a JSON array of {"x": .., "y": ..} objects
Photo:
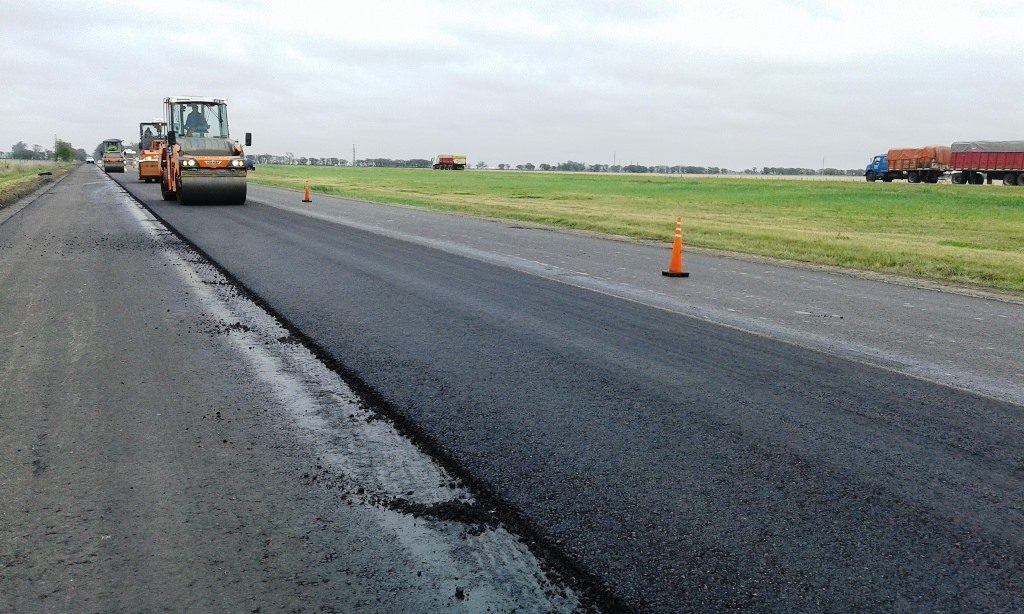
[{"x": 21, "y": 177}]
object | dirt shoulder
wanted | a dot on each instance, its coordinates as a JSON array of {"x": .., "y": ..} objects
[{"x": 17, "y": 183}]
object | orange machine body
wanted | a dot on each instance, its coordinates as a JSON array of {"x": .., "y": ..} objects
[
  {"x": 152, "y": 136},
  {"x": 199, "y": 162}
]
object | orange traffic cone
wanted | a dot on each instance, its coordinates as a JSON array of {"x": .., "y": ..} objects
[
  {"x": 675, "y": 264},
  {"x": 306, "y": 197}
]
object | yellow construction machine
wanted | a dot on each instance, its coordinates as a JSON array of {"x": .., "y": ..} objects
[{"x": 113, "y": 156}]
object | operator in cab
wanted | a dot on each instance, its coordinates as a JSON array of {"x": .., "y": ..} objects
[{"x": 195, "y": 123}]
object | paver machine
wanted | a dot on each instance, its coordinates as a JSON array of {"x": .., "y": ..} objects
[
  {"x": 152, "y": 136},
  {"x": 113, "y": 156},
  {"x": 200, "y": 163}
]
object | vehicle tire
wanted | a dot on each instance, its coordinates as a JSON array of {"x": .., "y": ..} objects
[
  {"x": 1009, "y": 179},
  {"x": 870, "y": 176},
  {"x": 957, "y": 178},
  {"x": 181, "y": 197},
  {"x": 167, "y": 194},
  {"x": 976, "y": 179},
  {"x": 913, "y": 177}
]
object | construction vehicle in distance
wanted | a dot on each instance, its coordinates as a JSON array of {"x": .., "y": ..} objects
[
  {"x": 916, "y": 165},
  {"x": 449, "y": 162},
  {"x": 200, "y": 164},
  {"x": 152, "y": 135},
  {"x": 113, "y": 156}
]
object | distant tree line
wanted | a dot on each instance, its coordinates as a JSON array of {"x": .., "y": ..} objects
[
  {"x": 291, "y": 159},
  {"x": 678, "y": 169},
  {"x": 569, "y": 166},
  {"x": 63, "y": 151},
  {"x": 777, "y": 170}
]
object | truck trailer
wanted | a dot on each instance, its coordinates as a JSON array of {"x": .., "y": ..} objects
[
  {"x": 450, "y": 162},
  {"x": 916, "y": 164},
  {"x": 977, "y": 162}
]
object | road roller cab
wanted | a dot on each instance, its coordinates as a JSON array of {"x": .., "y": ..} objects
[
  {"x": 152, "y": 136},
  {"x": 113, "y": 156},
  {"x": 200, "y": 163}
]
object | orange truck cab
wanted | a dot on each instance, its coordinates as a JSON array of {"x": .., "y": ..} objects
[
  {"x": 200, "y": 163},
  {"x": 152, "y": 136}
]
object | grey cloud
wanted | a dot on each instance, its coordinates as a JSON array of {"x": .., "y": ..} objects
[{"x": 585, "y": 82}]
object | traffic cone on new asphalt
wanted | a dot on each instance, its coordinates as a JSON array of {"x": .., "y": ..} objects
[
  {"x": 306, "y": 197},
  {"x": 675, "y": 263}
]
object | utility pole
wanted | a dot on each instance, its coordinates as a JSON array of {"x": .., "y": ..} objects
[
  {"x": 353, "y": 155},
  {"x": 613, "y": 158}
]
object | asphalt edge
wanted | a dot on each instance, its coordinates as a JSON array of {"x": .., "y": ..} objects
[{"x": 595, "y": 595}]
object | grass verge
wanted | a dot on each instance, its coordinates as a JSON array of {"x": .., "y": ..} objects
[
  {"x": 19, "y": 178},
  {"x": 966, "y": 235}
]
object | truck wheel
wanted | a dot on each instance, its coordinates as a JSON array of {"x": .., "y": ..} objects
[
  {"x": 1020, "y": 179},
  {"x": 957, "y": 178},
  {"x": 870, "y": 176},
  {"x": 976, "y": 179},
  {"x": 1009, "y": 179},
  {"x": 913, "y": 177}
]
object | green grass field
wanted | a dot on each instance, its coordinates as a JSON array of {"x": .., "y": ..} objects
[
  {"x": 968, "y": 235},
  {"x": 19, "y": 177}
]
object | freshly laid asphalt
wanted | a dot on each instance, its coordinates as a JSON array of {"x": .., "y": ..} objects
[{"x": 688, "y": 465}]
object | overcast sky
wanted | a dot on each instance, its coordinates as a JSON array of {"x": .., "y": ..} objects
[{"x": 733, "y": 84}]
